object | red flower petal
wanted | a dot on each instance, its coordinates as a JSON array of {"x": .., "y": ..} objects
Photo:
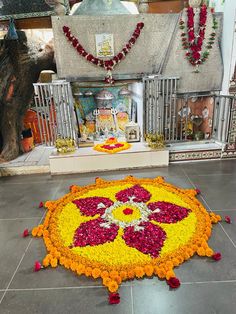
[
  {"x": 227, "y": 219},
  {"x": 217, "y": 256},
  {"x": 148, "y": 241},
  {"x": 41, "y": 205},
  {"x": 91, "y": 233},
  {"x": 138, "y": 193},
  {"x": 140, "y": 25},
  {"x": 120, "y": 56},
  {"x": 65, "y": 29},
  {"x": 114, "y": 298},
  {"x": 173, "y": 282},
  {"x": 37, "y": 266},
  {"x": 91, "y": 206},
  {"x": 167, "y": 212},
  {"x": 128, "y": 211},
  {"x": 25, "y": 233}
]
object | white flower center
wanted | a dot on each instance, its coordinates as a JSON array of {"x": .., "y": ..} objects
[{"x": 110, "y": 219}]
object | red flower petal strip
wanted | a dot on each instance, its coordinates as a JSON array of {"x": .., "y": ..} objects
[
  {"x": 91, "y": 233},
  {"x": 148, "y": 241},
  {"x": 138, "y": 193},
  {"x": 168, "y": 213},
  {"x": 91, "y": 206}
]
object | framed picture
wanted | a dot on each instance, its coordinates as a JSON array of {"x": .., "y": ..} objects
[
  {"x": 132, "y": 132},
  {"x": 20, "y": 9},
  {"x": 104, "y": 45}
]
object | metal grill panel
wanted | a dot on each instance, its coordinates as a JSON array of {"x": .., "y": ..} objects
[
  {"x": 55, "y": 111},
  {"x": 160, "y": 106}
]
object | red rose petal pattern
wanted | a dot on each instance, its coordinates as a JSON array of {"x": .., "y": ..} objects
[
  {"x": 169, "y": 213},
  {"x": 89, "y": 206},
  {"x": 138, "y": 193},
  {"x": 91, "y": 233},
  {"x": 148, "y": 241}
]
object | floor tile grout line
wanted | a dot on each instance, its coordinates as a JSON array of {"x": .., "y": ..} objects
[
  {"x": 220, "y": 223},
  {"x": 15, "y": 271},
  {"x": 225, "y": 210},
  {"x": 124, "y": 285},
  {"x": 31, "y": 240},
  {"x": 227, "y": 235},
  {"x": 18, "y": 266},
  {"x": 207, "y": 282},
  {"x": 132, "y": 299},
  {"x": 209, "y": 175},
  {"x": 186, "y": 175},
  {"x": 61, "y": 288},
  {"x": 23, "y": 218},
  {"x": 232, "y": 242},
  {"x": 31, "y": 182},
  {"x": 196, "y": 282}
]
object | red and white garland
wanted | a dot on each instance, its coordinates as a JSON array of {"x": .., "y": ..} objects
[
  {"x": 192, "y": 42},
  {"x": 109, "y": 64}
]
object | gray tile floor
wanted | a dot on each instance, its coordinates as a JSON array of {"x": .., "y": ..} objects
[{"x": 207, "y": 287}]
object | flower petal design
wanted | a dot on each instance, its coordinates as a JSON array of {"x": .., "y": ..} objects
[
  {"x": 148, "y": 240},
  {"x": 137, "y": 193},
  {"x": 167, "y": 213},
  {"x": 92, "y": 233},
  {"x": 91, "y": 206}
]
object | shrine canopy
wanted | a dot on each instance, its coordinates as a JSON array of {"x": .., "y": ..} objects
[
  {"x": 20, "y": 9},
  {"x": 98, "y": 7}
]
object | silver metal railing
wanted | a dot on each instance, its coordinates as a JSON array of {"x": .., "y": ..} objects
[
  {"x": 160, "y": 109},
  {"x": 55, "y": 111},
  {"x": 168, "y": 113},
  {"x": 223, "y": 113}
]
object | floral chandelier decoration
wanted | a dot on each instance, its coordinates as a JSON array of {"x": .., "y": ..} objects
[
  {"x": 112, "y": 146},
  {"x": 109, "y": 64},
  {"x": 195, "y": 45},
  {"x": 126, "y": 229}
]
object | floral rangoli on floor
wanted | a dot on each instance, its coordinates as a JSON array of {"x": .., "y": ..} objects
[{"x": 126, "y": 229}]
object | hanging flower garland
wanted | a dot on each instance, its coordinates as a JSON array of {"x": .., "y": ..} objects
[
  {"x": 192, "y": 42},
  {"x": 126, "y": 229},
  {"x": 109, "y": 64}
]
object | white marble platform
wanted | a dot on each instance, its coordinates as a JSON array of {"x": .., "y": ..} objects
[
  {"x": 88, "y": 160},
  {"x": 35, "y": 161}
]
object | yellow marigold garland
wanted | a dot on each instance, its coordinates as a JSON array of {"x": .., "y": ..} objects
[{"x": 192, "y": 233}]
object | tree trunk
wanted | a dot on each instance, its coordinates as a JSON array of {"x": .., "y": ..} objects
[{"x": 20, "y": 65}]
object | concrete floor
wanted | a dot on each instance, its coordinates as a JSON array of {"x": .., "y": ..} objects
[{"x": 207, "y": 287}]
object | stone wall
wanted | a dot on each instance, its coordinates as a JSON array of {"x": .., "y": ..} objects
[
  {"x": 158, "y": 50},
  {"x": 146, "y": 55}
]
